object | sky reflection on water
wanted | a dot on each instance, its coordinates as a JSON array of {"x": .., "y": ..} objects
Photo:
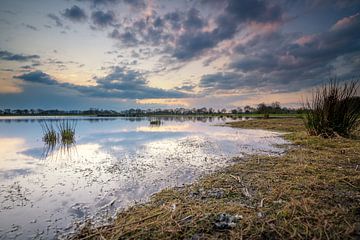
[{"x": 115, "y": 162}]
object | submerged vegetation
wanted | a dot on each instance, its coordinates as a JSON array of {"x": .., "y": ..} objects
[
  {"x": 334, "y": 109},
  {"x": 311, "y": 192}
]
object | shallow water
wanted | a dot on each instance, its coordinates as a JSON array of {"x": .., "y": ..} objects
[{"x": 114, "y": 163}]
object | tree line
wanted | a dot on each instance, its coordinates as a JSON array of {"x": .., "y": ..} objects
[{"x": 262, "y": 108}]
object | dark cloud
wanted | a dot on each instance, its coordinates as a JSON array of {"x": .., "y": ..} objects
[
  {"x": 253, "y": 10},
  {"x": 55, "y": 18},
  {"x": 75, "y": 14},
  {"x": 5, "y": 55},
  {"x": 193, "y": 43},
  {"x": 194, "y": 20},
  {"x": 285, "y": 62},
  {"x": 96, "y": 3},
  {"x": 30, "y": 27},
  {"x": 127, "y": 38},
  {"x": 196, "y": 40},
  {"x": 103, "y": 19},
  {"x": 120, "y": 83},
  {"x": 136, "y": 3},
  {"x": 174, "y": 18},
  {"x": 221, "y": 81},
  {"x": 38, "y": 77}
]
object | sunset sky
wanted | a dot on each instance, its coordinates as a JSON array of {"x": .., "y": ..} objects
[{"x": 118, "y": 54}]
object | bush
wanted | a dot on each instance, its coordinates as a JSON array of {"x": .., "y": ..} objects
[{"x": 334, "y": 109}]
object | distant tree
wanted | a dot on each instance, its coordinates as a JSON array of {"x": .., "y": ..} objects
[{"x": 247, "y": 109}]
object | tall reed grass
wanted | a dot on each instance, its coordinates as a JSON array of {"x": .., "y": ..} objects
[
  {"x": 66, "y": 130},
  {"x": 49, "y": 134},
  {"x": 334, "y": 109}
]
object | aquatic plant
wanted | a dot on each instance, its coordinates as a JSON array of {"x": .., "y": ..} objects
[
  {"x": 334, "y": 109},
  {"x": 66, "y": 130},
  {"x": 156, "y": 122},
  {"x": 49, "y": 133},
  {"x": 64, "y": 137}
]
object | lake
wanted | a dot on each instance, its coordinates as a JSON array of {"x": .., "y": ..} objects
[{"x": 114, "y": 163}]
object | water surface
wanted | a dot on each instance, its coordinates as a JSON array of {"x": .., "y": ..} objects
[{"x": 114, "y": 163}]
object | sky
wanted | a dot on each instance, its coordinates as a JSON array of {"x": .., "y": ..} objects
[{"x": 120, "y": 54}]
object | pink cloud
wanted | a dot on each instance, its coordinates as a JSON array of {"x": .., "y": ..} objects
[
  {"x": 305, "y": 39},
  {"x": 345, "y": 22}
]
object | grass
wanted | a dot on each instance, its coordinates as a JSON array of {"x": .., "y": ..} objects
[
  {"x": 49, "y": 133},
  {"x": 155, "y": 122},
  {"x": 334, "y": 109},
  {"x": 64, "y": 137},
  {"x": 66, "y": 130},
  {"x": 311, "y": 192}
]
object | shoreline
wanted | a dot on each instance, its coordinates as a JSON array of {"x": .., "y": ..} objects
[
  {"x": 252, "y": 115},
  {"x": 289, "y": 196}
]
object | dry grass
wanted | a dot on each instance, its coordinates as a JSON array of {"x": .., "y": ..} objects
[{"x": 312, "y": 192}]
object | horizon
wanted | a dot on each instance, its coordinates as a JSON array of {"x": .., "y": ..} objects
[{"x": 122, "y": 54}]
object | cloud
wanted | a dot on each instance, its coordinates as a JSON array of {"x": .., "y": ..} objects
[
  {"x": 291, "y": 61},
  {"x": 196, "y": 40},
  {"x": 221, "y": 81},
  {"x": 30, "y": 27},
  {"x": 120, "y": 83},
  {"x": 103, "y": 19},
  {"x": 127, "y": 38},
  {"x": 55, "y": 18},
  {"x": 8, "y": 56},
  {"x": 136, "y": 3},
  {"x": 345, "y": 22},
  {"x": 38, "y": 77},
  {"x": 96, "y": 3},
  {"x": 253, "y": 10},
  {"x": 195, "y": 37},
  {"x": 174, "y": 18},
  {"x": 75, "y": 14}
]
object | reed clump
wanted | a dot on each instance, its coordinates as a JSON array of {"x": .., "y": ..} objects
[
  {"x": 334, "y": 109},
  {"x": 66, "y": 129},
  {"x": 49, "y": 134},
  {"x": 65, "y": 134}
]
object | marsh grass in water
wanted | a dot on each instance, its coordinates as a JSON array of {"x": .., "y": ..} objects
[
  {"x": 334, "y": 109},
  {"x": 49, "y": 134},
  {"x": 64, "y": 137},
  {"x": 66, "y": 130},
  {"x": 155, "y": 122}
]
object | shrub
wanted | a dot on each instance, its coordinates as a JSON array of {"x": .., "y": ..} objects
[{"x": 334, "y": 109}]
